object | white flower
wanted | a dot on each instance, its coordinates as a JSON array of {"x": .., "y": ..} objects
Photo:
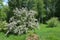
[{"x": 22, "y": 21}]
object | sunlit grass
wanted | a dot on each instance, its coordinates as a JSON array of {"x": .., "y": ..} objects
[{"x": 48, "y": 33}]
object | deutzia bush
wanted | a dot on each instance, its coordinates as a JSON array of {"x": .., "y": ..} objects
[{"x": 22, "y": 21}]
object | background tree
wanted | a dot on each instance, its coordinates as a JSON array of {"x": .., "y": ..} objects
[
  {"x": 29, "y": 4},
  {"x": 45, "y": 8},
  {"x": 58, "y": 9},
  {"x": 50, "y": 6},
  {"x": 40, "y": 10},
  {"x": 3, "y": 11}
]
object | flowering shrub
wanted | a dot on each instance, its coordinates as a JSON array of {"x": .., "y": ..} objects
[
  {"x": 22, "y": 21},
  {"x": 3, "y": 25}
]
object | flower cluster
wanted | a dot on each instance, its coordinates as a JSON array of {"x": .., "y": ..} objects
[{"x": 22, "y": 21}]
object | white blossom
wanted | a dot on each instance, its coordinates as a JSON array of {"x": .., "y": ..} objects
[{"x": 22, "y": 21}]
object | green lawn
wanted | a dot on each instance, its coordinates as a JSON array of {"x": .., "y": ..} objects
[
  {"x": 49, "y": 33},
  {"x": 43, "y": 32},
  {"x": 12, "y": 37}
]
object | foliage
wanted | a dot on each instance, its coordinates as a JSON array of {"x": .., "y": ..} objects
[
  {"x": 40, "y": 10},
  {"x": 53, "y": 22},
  {"x": 58, "y": 9},
  {"x": 1, "y": 3},
  {"x": 3, "y": 13},
  {"x": 22, "y": 21},
  {"x": 3, "y": 25},
  {"x": 50, "y": 7},
  {"x": 30, "y": 4},
  {"x": 45, "y": 8}
]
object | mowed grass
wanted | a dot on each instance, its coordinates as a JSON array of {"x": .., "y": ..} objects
[
  {"x": 43, "y": 32},
  {"x": 48, "y": 33}
]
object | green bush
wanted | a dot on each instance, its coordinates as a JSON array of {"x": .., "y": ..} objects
[
  {"x": 53, "y": 22},
  {"x": 3, "y": 25}
]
